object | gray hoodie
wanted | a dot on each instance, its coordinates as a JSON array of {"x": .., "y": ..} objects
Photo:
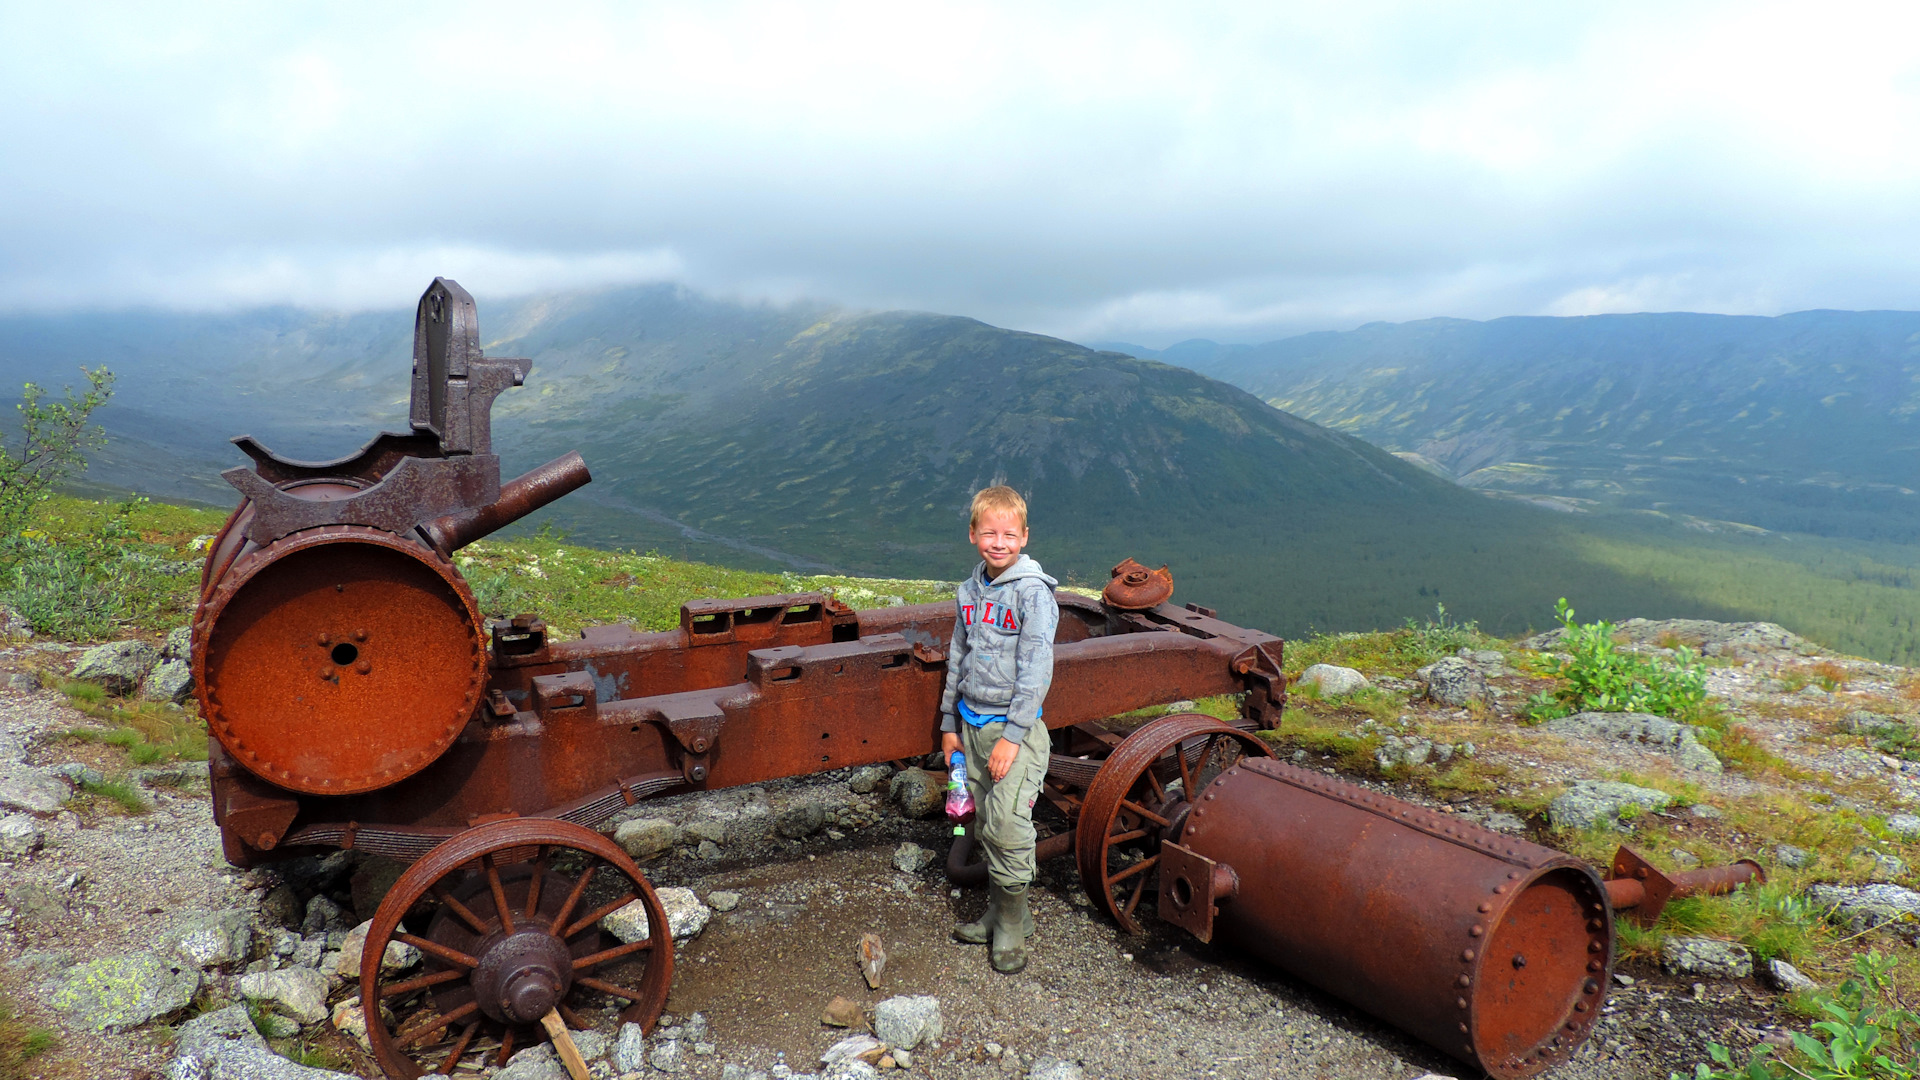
[{"x": 1001, "y": 658}]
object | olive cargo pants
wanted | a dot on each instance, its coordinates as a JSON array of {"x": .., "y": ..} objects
[{"x": 1003, "y": 814}]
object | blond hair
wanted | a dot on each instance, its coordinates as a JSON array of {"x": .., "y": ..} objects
[{"x": 1001, "y": 499}]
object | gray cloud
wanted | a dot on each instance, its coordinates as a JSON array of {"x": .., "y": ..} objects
[{"x": 1099, "y": 172}]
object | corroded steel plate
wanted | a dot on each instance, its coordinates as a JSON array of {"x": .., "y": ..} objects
[{"x": 339, "y": 660}]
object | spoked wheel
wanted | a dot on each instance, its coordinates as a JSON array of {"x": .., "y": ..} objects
[
  {"x": 1139, "y": 798},
  {"x": 511, "y": 912}
]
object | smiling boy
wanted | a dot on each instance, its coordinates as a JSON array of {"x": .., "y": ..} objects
[{"x": 999, "y": 666}]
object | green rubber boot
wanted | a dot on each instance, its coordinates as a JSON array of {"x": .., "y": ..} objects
[
  {"x": 980, "y": 931},
  {"x": 1011, "y": 931}
]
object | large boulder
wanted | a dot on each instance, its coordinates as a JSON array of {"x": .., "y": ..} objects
[
  {"x": 1863, "y": 907},
  {"x": 37, "y": 791},
  {"x": 118, "y": 667},
  {"x": 1333, "y": 681},
  {"x": 1592, "y": 802},
  {"x": 1453, "y": 681},
  {"x": 223, "y": 1045},
  {"x": 917, "y": 793},
  {"x": 1643, "y": 729},
  {"x": 114, "y": 993}
]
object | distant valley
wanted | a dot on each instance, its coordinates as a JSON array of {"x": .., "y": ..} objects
[{"x": 811, "y": 437}]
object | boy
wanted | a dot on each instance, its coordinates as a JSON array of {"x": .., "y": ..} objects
[{"x": 998, "y": 669}]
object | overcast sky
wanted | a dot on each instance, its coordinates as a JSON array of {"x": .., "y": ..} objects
[{"x": 1104, "y": 172}]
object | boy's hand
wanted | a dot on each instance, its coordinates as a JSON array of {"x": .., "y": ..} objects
[
  {"x": 1002, "y": 760},
  {"x": 949, "y": 745}
]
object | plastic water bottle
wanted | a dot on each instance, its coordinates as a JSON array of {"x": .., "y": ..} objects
[{"x": 959, "y": 798}]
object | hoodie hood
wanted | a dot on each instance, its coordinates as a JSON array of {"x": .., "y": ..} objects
[{"x": 1023, "y": 567}]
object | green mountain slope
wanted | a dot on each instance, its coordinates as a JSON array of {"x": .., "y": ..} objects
[
  {"x": 817, "y": 439},
  {"x": 1805, "y": 423}
]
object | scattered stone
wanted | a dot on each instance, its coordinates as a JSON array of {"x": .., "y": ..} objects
[
  {"x": 1736, "y": 641},
  {"x": 1904, "y": 826},
  {"x": 1705, "y": 812},
  {"x": 170, "y": 680},
  {"x": 1050, "y": 1068},
  {"x": 686, "y": 917},
  {"x": 1705, "y": 956},
  {"x": 114, "y": 993},
  {"x": 1504, "y": 822},
  {"x": 868, "y": 777},
  {"x": 350, "y": 1019},
  {"x": 399, "y": 955},
  {"x": 323, "y": 914},
  {"x": 118, "y": 667},
  {"x": 647, "y": 837},
  {"x": 709, "y": 850},
  {"x": 666, "y": 1056},
  {"x": 536, "y": 1062},
  {"x": 281, "y": 907},
  {"x": 1453, "y": 681},
  {"x": 1786, "y": 978},
  {"x": 36, "y": 904},
  {"x": 722, "y": 900},
  {"x": 911, "y": 858},
  {"x": 297, "y": 992},
  {"x": 908, "y": 1021},
  {"x": 371, "y": 881},
  {"x": 1684, "y": 859},
  {"x": 1643, "y": 728},
  {"x": 1404, "y": 752},
  {"x": 179, "y": 645},
  {"x": 800, "y": 820},
  {"x": 1623, "y": 979},
  {"x": 20, "y": 836},
  {"x": 1862, "y": 907},
  {"x": 1791, "y": 857},
  {"x": 24, "y": 681},
  {"x": 703, "y": 830},
  {"x": 1885, "y": 867},
  {"x": 1862, "y": 722},
  {"x": 917, "y": 793},
  {"x": 178, "y": 774},
  {"x": 77, "y": 774},
  {"x": 37, "y": 791},
  {"x": 212, "y": 939},
  {"x": 1333, "y": 680},
  {"x": 629, "y": 1052},
  {"x": 1590, "y": 802},
  {"x": 854, "y": 1048},
  {"x": 841, "y": 1012}
]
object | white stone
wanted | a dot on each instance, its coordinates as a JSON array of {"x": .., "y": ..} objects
[
  {"x": 20, "y": 836},
  {"x": 629, "y": 1053},
  {"x": 1334, "y": 680},
  {"x": 686, "y": 917},
  {"x": 908, "y": 1021},
  {"x": 398, "y": 957},
  {"x": 213, "y": 939},
  {"x": 297, "y": 992}
]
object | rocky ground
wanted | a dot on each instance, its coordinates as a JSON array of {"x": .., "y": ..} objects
[{"x": 128, "y": 936}]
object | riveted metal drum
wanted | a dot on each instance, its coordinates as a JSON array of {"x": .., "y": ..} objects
[
  {"x": 338, "y": 660},
  {"x": 1492, "y": 949}
]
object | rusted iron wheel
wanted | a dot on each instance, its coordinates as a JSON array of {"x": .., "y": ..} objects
[
  {"x": 1139, "y": 798},
  {"x": 511, "y": 912}
]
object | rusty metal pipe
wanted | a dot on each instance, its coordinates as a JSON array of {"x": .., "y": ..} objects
[
  {"x": 1641, "y": 890},
  {"x": 1492, "y": 949},
  {"x": 518, "y": 498}
]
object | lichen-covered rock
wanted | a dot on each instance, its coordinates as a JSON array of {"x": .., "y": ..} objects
[
  {"x": 1793, "y": 858},
  {"x": 1453, "y": 681},
  {"x": 118, "y": 667},
  {"x": 723, "y": 900},
  {"x": 399, "y": 955},
  {"x": 223, "y": 1045},
  {"x": 114, "y": 993},
  {"x": 868, "y": 777},
  {"x": 908, "y": 1021},
  {"x": 705, "y": 831},
  {"x": 647, "y": 837},
  {"x": 1863, "y": 907},
  {"x": 300, "y": 993},
  {"x": 1786, "y": 978},
  {"x": 1410, "y": 750},
  {"x": 212, "y": 939},
  {"x": 1904, "y": 826},
  {"x": 1590, "y": 802},
  {"x": 917, "y": 793},
  {"x": 1641, "y": 728},
  {"x": 179, "y": 644},
  {"x": 629, "y": 1052},
  {"x": 911, "y": 858},
  {"x": 170, "y": 680},
  {"x": 1710, "y": 957},
  {"x": 686, "y": 917},
  {"x": 1333, "y": 680}
]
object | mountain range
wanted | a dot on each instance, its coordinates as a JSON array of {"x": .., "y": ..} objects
[
  {"x": 812, "y": 437},
  {"x": 1804, "y": 423}
]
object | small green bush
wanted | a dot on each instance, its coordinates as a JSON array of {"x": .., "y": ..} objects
[{"x": 1600, "y": 677}]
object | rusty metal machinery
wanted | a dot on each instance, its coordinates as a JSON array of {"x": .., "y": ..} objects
[{"x": 356, "y": 698}]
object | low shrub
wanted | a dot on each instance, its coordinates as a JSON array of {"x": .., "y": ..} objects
[{"x": 1599, "y": 676}]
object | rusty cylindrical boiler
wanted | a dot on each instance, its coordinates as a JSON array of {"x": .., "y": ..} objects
[{"x": 1494, "y": 950}]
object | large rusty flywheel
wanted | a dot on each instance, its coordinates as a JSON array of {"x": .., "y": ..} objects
[{"x": 338, "y": 660}]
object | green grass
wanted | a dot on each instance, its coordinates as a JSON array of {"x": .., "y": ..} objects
[
  {"x": 21, "y": 1042},
  {"x": 150, "y": 732},
  {"x": 122, "y": 794}
]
